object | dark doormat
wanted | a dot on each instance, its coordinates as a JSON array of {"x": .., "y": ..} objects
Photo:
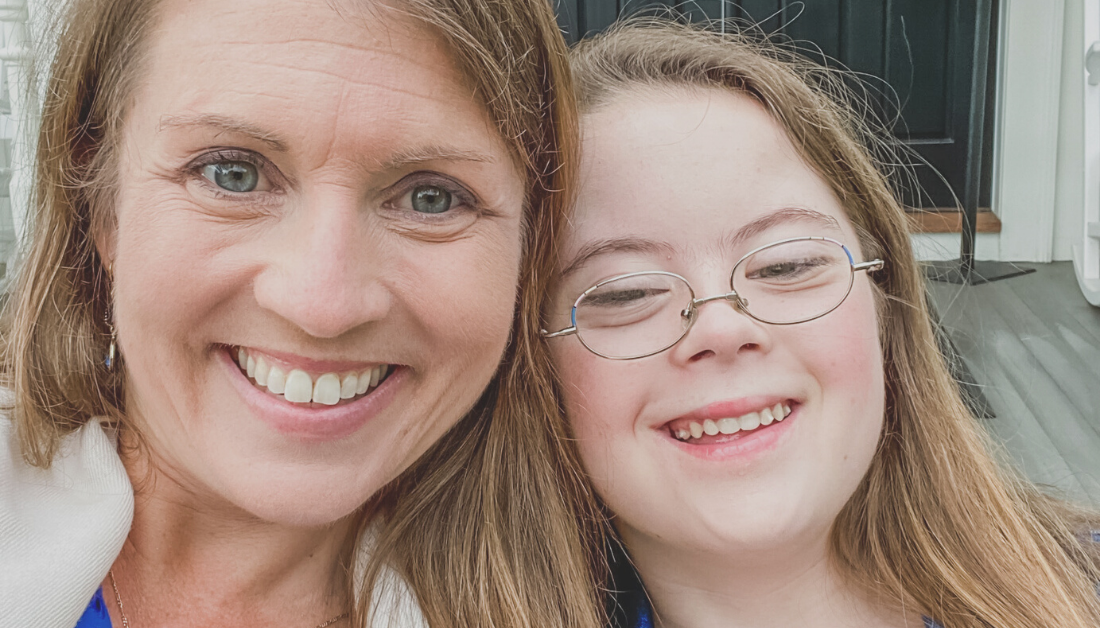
[{"x": 969, "y": 388}]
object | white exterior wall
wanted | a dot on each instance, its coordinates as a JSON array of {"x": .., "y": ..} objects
[{"x": 1069, "y": 199}]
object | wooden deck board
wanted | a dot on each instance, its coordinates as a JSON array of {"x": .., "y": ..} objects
[{"x": 1033, "y": 344}]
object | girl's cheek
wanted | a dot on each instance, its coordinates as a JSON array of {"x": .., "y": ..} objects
[{"x": 596, "y": 395}]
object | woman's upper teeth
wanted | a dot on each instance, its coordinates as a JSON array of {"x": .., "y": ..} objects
[
  {"x": 688, "y": 430},
  {"x": 298, "y": 386}
]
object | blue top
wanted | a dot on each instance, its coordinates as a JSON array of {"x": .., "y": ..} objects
[
  {"x": 643, "y": 616},
  {"x": 631, "y": 606},
  {"x": 95, "y": 616},
  {"x": 631, "y": 609}
]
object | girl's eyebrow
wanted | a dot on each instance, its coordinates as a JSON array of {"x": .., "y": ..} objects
[
  {"x": 778, "y": 217},
  {"x": 632, "y": 244},
  {"x": 615, "y": 245}
]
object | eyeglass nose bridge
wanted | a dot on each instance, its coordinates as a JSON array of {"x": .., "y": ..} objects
[{"x": 735, "y": 299}]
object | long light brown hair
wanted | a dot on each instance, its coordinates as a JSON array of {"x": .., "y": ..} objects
[
  {"x": 482, "y": 527},
  {"x": 936, "y": 524}
]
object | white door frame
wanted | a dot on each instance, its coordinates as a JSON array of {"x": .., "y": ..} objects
[
  {"x": 1086, "y": 251},
  {"x": 1025, "y": 156}
]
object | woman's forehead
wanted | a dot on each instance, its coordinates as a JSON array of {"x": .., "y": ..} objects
[{"x": 301, "y": 74}]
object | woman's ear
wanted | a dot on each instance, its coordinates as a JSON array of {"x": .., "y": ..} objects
[
  {"x": 105, "y": 247},
  {"x": 104, "y": 232}
]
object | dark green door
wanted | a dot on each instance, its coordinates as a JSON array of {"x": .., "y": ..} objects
[{"x": 922, "y": 50}]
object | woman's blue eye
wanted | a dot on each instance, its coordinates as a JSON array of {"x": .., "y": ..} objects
[
  {"x": 233, "y": 176},
  {"x": 430, "y": 199}
]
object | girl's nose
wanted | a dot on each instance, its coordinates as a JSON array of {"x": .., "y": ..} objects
[{"x": 721, "y": 330}]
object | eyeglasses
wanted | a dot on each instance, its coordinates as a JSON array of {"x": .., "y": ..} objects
[{"x": 783, "y": 283}]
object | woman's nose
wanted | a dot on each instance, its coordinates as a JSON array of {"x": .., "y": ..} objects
[
  {"x": 721, "y": 330},
  {"x": 326, "y": 275}
]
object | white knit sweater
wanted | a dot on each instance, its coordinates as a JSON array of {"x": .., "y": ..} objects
[{"x": 62, "y": 528}]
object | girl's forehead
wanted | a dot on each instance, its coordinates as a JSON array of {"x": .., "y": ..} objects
[{"x": 686, "y": 164}]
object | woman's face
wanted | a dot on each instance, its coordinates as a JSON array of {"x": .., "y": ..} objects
[
  {"x": 320, "y": 198},
  {"x": 689, "y": 181}
]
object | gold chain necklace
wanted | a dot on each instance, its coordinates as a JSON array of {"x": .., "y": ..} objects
[{"x": 126, "y": 622}]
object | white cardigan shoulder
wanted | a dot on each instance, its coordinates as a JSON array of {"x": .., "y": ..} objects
[{"x": 62, "y": 528}]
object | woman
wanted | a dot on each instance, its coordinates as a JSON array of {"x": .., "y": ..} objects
[
  {"x": 275, "y": 259},
  {"x": 749, "y": 368}
]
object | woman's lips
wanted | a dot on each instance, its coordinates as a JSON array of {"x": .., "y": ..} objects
[
  {"x": 314, "y": 421},
  {"x": 304, "y": 381}
]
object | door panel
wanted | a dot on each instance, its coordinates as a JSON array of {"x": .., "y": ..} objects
[{"x": 914, "y": 54}]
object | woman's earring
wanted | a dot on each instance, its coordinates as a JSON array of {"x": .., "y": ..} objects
[{"x": 112, "y": 349}]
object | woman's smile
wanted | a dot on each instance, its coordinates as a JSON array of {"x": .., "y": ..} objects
[
  {"x": 313, "y": 418},
  {"x": 301, "y": 380}
]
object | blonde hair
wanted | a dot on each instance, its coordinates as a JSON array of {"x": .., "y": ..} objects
[
  {"x": 482, "y": 527},
  {"x": 936, "y": 524}
]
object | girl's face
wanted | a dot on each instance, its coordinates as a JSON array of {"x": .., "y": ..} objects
[
  {"x": 689, "y": 181},
  {"x": 316, "y": 256}
]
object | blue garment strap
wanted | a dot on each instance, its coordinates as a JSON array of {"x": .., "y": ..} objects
[{"x": 95, "y": 616}]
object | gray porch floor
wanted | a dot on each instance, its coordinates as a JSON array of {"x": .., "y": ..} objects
[{"x": 1032, "y": 344}]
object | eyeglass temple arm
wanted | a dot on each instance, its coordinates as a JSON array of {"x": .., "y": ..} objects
[
  {"x": 869, "y": 266},
  {"x": 564, "y": 332}
]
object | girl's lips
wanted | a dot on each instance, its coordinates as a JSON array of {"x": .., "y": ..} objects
[
  {"x": 741, "y": 446},
  {"x": 313, "y": 422}
]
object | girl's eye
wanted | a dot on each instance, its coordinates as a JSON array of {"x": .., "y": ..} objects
[
  {"x": 430, "y": 199},
  {"x": 234, "y": 176}
]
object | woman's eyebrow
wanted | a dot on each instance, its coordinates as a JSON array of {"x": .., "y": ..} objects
[
  {"x": 223, "y": 124},
  {"x": 615, "y": 245},
  {"x": 433, "y": 152}
]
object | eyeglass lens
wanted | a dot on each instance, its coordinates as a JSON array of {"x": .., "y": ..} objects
[{"x": 641, "y": 314}]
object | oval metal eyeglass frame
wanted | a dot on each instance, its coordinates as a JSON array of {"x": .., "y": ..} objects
[{"x": 732, "y": 297}]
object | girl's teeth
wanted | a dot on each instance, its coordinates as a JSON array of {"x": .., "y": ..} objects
[
  {"x": 766, "y": 416},
  {"x": 298, "y": 387},
  {"x": 731, "y": 425},
  {"x": 750, "y": 421}
]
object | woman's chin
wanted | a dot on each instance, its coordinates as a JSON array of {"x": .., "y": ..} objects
[{"x": 301, "y": 504}]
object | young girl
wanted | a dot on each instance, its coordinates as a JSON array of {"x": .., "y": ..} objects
[{"x": 747, "y": 363}]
